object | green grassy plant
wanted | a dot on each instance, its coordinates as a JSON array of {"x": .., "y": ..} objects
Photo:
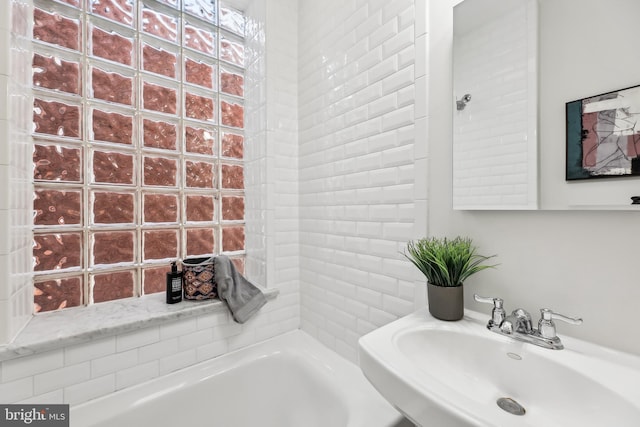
[{"x": 446, "y": 262}]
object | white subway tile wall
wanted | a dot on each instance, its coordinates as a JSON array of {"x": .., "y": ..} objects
[
  {"x": 362, "y": 164},
  {"x": 255, "y": 145},
  {"x": 15, "y": 167}
]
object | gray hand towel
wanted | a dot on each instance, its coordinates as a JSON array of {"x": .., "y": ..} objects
[{"x": 242, "y": 297}]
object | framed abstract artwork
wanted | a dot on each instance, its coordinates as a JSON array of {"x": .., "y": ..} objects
[{"x": 603, "y": 135}]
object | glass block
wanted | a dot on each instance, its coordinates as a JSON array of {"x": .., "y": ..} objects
[
  {"x": 198, "y": 107},
  {"x": 200, "y": 39},
  {"x": 116, "y": 10},
  {"x": 232, "y": 20},
  {"x": 232, "y": 145},
  {"x": 160, "y": 171},
  {"x": 238, "y": 262},
  {"x": 57, "y": 251},
  {"x": 111, "y": 46},
  {"x": 51, "y": 72},
  {"x": 57, "y": 294},
  {"x": 112, "y": 247},
  {"x": 232, "y": 208},
  {"x": 232, "y": 51},
  {"x": 199, "y": 73},
  {"x": 232, "y": 176},
  {"x": 112, "y": 87},
  {"x": 56, "y": 29},
  {"x": 159, "y": 24},
  {"x": 203, "y": 9},
  {"x": 160, "y": 134},
  {"x": 199, "y": 208},
  {"x": 56, "y": 118},
  {"x": 113, "y": 168},
  {"x": 199, "y": 174},
  {"x": 184, "y": 177},
  {"x": 172, "y": 3},
  {"x": 159, "y": 61},
  {"x": 160, "y": 244},
  {"x": 160, "y": 208},
  {"x": 233, "y": 239},
  {"x": 112, "y": 127},
  {"x": 155, "y": 279},
  {"x": 159, "y": 98},
  {"x": 56, "y": 163},
  {"x": 112, "y": 208},
  {"x": 200, "y": 141},
  {"x": 231, "y": 83},
  {"x": 232, "y": 114},
  {"x": 112, "y": 286},
  {"x": 52, "y": 207},
  {"x": 199, "y": 241}
]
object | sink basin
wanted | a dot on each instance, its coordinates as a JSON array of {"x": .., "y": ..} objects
[{"x": 449, "y": 374}]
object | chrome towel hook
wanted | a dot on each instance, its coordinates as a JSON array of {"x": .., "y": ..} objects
[{"x": 462, "y": 102}]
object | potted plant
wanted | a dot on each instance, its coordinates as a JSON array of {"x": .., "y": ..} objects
[{"x": 446, "y": 263}]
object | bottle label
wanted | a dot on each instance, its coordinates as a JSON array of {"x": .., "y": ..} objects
[{"x": 176, "y": 284}]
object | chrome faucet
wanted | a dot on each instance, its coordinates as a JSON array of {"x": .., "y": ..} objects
[{"x": 518, "y": 324}]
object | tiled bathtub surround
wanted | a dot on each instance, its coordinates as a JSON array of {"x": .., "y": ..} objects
[
  {"x": 353, "y": 177},
  {"x": 77, "y": 372},
  {"x": 362, "y": 192},
  {"x": 362, "y": 164}
]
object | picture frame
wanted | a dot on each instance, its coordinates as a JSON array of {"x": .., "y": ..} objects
[{"x": 603, "y": 135}]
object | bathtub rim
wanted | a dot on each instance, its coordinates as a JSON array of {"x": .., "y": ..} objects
[{"x": 364, "y": 402}]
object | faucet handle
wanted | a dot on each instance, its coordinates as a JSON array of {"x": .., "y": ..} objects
[
  {"x": 497, "y": 314},
  {"x": 487, "y": 300},
  {"x": 546, "y": 326}
]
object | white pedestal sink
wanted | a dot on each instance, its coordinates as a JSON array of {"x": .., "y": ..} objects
[{"x": 447, "y": 374}]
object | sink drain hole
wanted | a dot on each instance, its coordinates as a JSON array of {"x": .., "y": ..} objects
[{"x": 511, "y": 406}]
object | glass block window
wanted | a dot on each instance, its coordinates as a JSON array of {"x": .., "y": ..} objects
[{"x": 138, "y": 121}]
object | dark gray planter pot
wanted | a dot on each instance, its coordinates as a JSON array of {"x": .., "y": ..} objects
[{"x": 446, "y": 302}]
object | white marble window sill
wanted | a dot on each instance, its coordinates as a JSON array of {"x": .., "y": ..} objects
[{"x": 49, "y": 331}]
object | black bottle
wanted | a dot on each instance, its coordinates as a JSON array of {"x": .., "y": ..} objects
[{"x": 174, "y": 285}]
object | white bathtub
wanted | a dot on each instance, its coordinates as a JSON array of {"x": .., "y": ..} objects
[{"x": 287, "y": 381}]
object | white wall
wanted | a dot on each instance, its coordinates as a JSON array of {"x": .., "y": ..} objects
[
  {"x": 362, "y": 168},
  {"x": 586, "y": 48},
  {"x": 580, "y": 263}
]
